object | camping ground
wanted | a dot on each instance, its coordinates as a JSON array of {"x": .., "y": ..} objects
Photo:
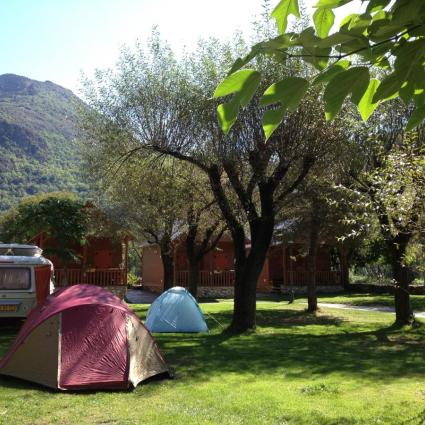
[{"x": 336, "y": 367}]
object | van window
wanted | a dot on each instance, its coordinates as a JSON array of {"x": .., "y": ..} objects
[{"x": 14, "y": 278}]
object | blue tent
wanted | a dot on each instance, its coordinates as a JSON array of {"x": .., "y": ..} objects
[{"x": 175, "y": 311}]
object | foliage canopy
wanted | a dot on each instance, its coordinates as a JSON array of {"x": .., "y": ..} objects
[
  {"x": 374, "y": 56},
  {"x": 61, "y": 216}
]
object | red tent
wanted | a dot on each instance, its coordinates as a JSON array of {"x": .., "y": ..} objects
[{"x": 83, "y": 337}]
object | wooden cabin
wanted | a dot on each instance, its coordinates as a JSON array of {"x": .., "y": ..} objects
[
  {"x": 285, "y": 267},
  {"x": 102, "y": 261}
]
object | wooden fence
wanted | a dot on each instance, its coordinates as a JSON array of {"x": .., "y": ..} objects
[
  {"x": 227, "y": 278},
  {"x": 207, "y": 278},
  {"x": 99, "y": 277},
  {"x": 301, "y": 278}
]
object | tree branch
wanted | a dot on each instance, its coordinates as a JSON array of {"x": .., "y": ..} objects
[{"x": 244, "y": 199}]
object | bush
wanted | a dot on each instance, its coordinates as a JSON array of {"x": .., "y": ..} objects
[{"x": 132, "y": 279}]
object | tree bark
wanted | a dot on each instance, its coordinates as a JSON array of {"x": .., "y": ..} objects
[
  {"x": 168, "y": 264},
  {"x": 247, "y": 272},
  {"x": 312, "y": 256},
  {"x": 167, "y": 257},
  {"x": 193, "y": 277},
  {"x": 261, "y": 222},
  {"x": 196, "y": 250},
  {"x": 402, "y": 277},
  {"x": 345, "y": 269}
]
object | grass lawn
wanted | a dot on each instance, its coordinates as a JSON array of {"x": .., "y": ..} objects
[{"x": 338, "y": 367}]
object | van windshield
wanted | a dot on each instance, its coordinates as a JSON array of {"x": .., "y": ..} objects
[{"x": 14, "y": 278}]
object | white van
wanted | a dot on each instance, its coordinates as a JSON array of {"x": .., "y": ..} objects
[{"x": 26, "y": 279}]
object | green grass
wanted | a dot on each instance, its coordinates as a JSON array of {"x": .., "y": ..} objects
[
  {"x": 336, "y": 367},
  {"x": 417, "y": 301}
]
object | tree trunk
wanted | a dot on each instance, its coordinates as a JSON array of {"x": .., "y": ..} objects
[
  {"x": 402, "y": 277},
  {"x": 247, "y": 272},
  {"x": 403, "y": 309},
  {"x": 167, "y": 256},
  {"x": 168, "y": 264},
  {"x": 245, "y": 299},
  {"x": 193, "y": 276},
  {"x": 247, "y": 267},
  {"x": 191, "y": 252},
  {"x": 311, "y": 262},
  {"x": 345, "y": 269}
]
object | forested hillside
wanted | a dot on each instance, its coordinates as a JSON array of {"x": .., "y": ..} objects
[{"x": 38, "y": 139}]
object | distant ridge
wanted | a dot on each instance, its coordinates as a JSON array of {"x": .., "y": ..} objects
[{"x": 39, "y": 149}]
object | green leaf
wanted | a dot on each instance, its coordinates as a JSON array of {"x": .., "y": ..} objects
[
  {"x": 360, "y": 85},
  {"x": 236, "y": 82},
  {"x": 379, "y": 16},
  {"x": 354, "y": 81},
  {"x": 332, "y": 3},
  {"x": 335, "y": 39},
  {"x": 414, "y": 86},
  {"x": 346, "y": 21},
  {"x": 307, "y": 38},
  {"x": 269, "y": 46},
  {"x": 330, "y": 72},
  {"x": 248, "y": 89},
  {"x": 419, "y": 98},
  {"x": 360, "y": 23},
  {"x": 227, "y": 114},
  {"x": 243, "y": 84},
  {"x": 319, "y": 58},
  {"x": 417, "y": 32},
  {"x": 272, "y": 119},
  {"x": 376, "y": 5},
  {"x": 288, "y": 92},
  {"x": 388, "y": 89},
  {"x": 407, "y": 12},
  {"x": 382, "y": 30},
  {"x": 366, "y": 105},
  {"x": 280, "y": 42},
  {"x": 408, "y": 57},
  {"x": 416, "y": 118},
  {"x": 237, "y": 65},
  {"x": 359, "y": 44},
  {"x": 323, "y": 20},
  {"x": 406, "y": 92},
  {"x": 281, "y": 12}
]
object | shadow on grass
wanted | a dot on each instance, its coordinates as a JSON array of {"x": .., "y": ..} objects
[
  {"x": 290, "y": 343},
  {"x": 298, "y": 344}
]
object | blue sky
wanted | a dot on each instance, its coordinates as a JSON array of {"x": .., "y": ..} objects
[{"x": 58, "y": 39}]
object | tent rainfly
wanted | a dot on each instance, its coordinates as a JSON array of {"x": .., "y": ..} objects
[
  {"x": 175, "y": 311},
  {"x": 83, "y": 337}
]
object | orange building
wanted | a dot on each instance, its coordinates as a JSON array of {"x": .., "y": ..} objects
[
  {"x": 285, "y": 267},
  {"x": 102, "y": 262}
]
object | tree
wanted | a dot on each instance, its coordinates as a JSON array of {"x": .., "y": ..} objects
[
  {"x": 251, "y": 179},
  {"x": 204, "y": 224},
  {"x": 166, "y": 108},
  {"x": 61, "y": 216},
  {"x": 145, "y": 199},
  {"x": 318, "y": 212},
  {"x": 387, "y": 35},
  {"x": 392, "y": 180},
  {"x": 159, "y": 200}
]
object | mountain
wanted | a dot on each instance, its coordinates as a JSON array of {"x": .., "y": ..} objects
[{"x": 39, "y": 149}]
